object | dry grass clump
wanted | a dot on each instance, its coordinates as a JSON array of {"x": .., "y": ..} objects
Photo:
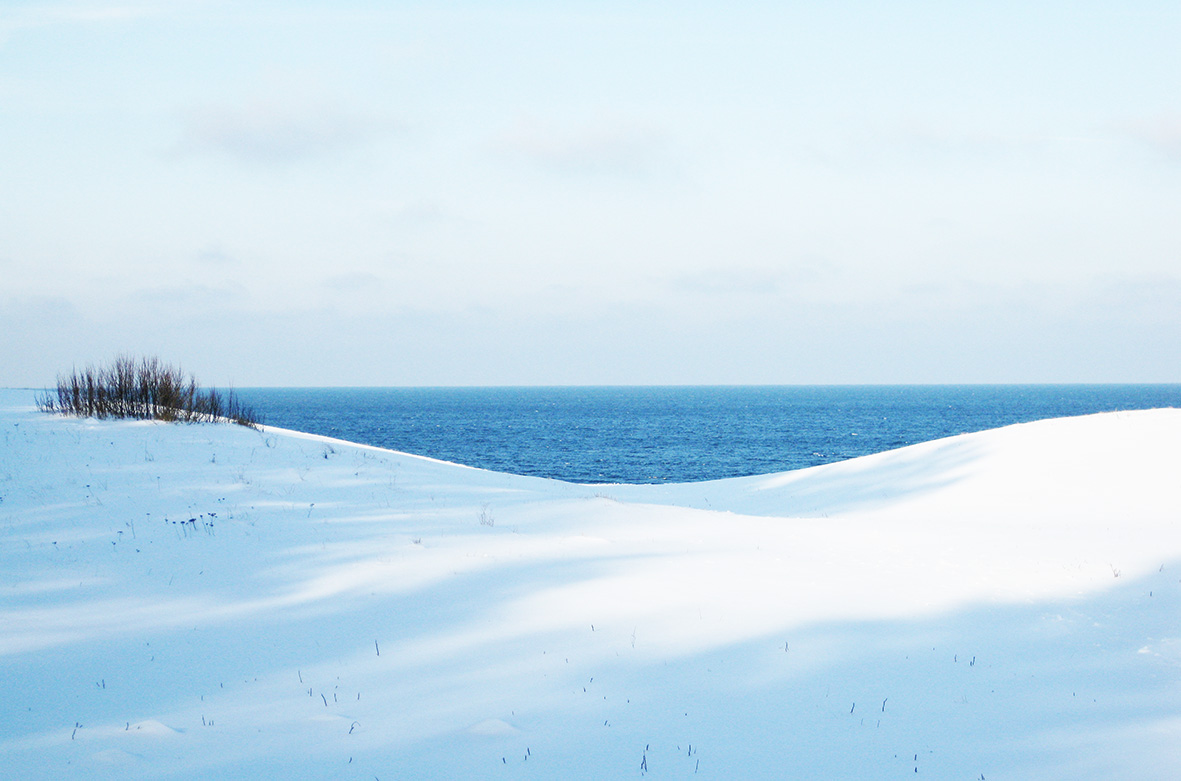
[{"x": 143, "y": 389}]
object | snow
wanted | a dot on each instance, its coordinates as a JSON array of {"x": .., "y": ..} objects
[{"x": 195, "y": 601}]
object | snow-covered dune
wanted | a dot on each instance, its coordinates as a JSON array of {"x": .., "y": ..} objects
[{"x": 199, "y": 601}]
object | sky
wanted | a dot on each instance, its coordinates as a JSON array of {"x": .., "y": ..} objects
[{"x": 571, "y": 193}]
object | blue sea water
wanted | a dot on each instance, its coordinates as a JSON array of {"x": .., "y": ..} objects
[{"x": 674, "y": 434}]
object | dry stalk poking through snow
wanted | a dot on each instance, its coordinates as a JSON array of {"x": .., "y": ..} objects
[{"x": 143, "y": 389}]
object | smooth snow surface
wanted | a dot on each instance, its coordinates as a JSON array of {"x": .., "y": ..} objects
[{"x": 200, "y": 601}]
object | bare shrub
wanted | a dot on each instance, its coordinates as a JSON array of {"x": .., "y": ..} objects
[{"x": 143, "y": 389}]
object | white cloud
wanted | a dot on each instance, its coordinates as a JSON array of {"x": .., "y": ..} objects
[
  {"x": 48, "y": 15},
  {"x": 217, "y": 258},
  {"x": 727, "y": 281},
  {"x": 1162, "y": 133},
  {"x": 189, "y": 296},
  {"x": 354, "y": 282},
  {"x": 621, "y": 149},
  {"x": 271, "y": 132},
  {"x": 794, "y": 278}
]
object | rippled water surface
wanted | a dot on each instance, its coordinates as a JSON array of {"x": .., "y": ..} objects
[{"x": 674, "y": 434}]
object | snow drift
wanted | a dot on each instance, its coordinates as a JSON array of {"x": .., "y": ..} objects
[{"x": 193, "y": 601}]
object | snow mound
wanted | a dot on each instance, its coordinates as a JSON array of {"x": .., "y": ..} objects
[
  {"x": 493, "y": 727},
  {"x": 150, "y": 728}
]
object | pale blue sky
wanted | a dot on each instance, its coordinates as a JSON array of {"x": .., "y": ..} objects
[{"x": 582, "y": 193}]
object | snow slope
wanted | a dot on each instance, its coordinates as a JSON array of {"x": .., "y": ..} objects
[{"x": 197, "y": 601}]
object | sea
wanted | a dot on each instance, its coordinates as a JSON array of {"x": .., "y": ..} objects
[{"x": 645, "y": 434}]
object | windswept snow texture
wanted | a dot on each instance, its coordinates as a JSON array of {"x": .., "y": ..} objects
[{"x": 207, "y": 601}]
